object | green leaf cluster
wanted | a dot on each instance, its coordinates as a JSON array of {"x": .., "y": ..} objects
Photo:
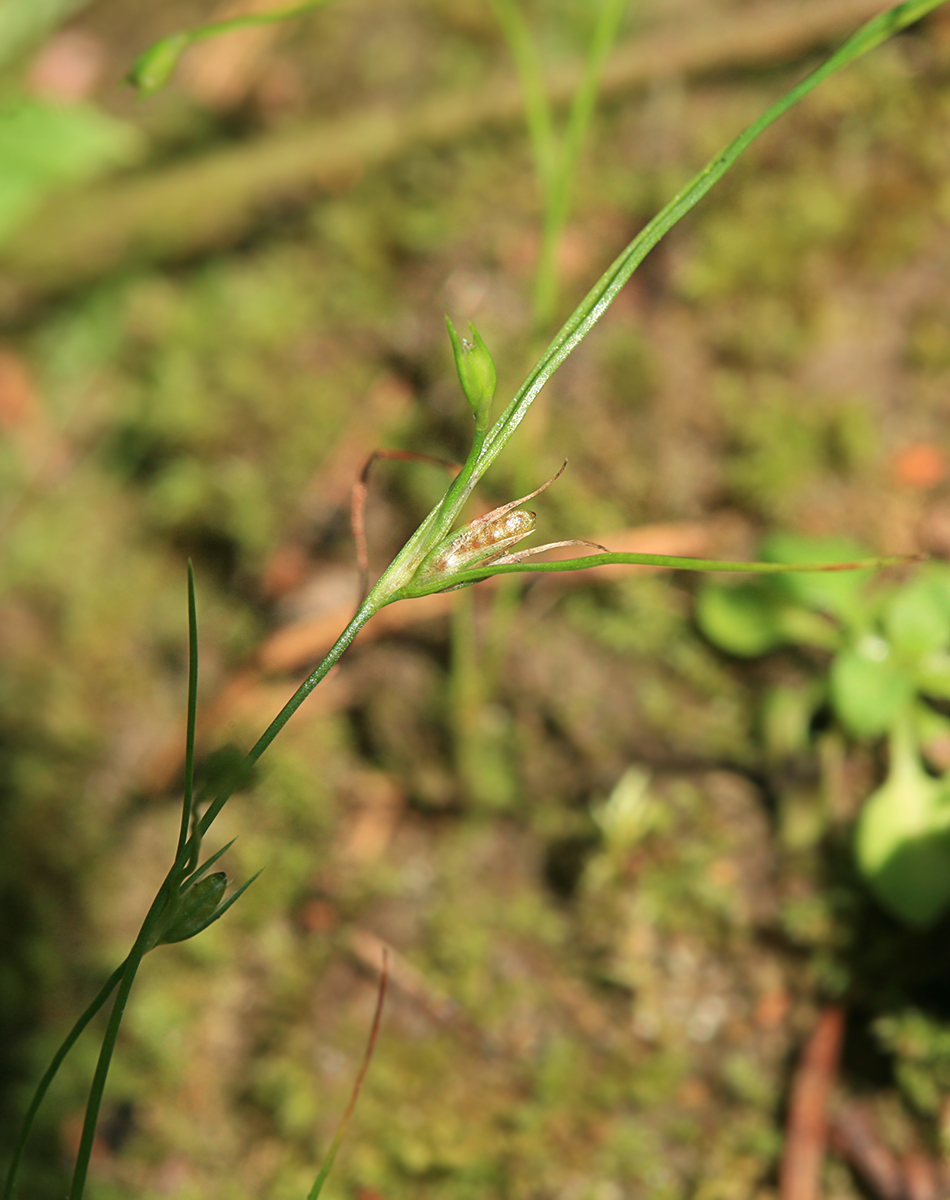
[{"x": 888, "y": 665}]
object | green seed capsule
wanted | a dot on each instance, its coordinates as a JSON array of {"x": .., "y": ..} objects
[
  {"x": 476, "y": 372},
  {"x": 195, "y": 907}
]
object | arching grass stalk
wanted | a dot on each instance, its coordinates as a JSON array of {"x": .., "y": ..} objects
[{"x": 434, "y": 559}]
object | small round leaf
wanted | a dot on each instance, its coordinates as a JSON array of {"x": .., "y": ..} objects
[{"x": 869, "y": 690}]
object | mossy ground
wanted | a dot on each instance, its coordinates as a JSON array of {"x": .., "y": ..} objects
[{"x": 615, "y": 920}]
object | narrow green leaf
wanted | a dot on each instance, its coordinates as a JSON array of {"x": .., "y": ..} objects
[
  {"x": 188, "y": 802},
  {"x": 206, "y": 866},
  {"x": 540, "y": 119},
  {"x": 557, "y": 188},
  {"x": 9, "y": 1189}
]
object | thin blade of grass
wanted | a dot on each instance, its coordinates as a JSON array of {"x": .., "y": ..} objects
[
  {"x": 677, "y": 563},
  {"x": 206, "y": 866},
  {"x": 537, "y": 106},
  {"x": 219, "y": 913},
  {"x": 126, "y": 973},
  {"x": 9, "y": 1189},
  {"x": 188, "y": 800}
]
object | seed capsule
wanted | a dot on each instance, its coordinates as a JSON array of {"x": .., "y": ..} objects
[
  {"x": 197, "y": 906},
  {"x": 482, "y": 541}
]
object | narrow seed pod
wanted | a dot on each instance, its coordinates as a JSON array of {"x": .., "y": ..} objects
[
  {"x": 482, "y": 541},
  {"x": 197, "y": 906}
]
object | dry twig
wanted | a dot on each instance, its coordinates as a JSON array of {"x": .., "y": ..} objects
[{"x": 800, "y": 1177}]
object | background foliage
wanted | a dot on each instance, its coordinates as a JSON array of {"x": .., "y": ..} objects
[{"x": 616, "y": 912}]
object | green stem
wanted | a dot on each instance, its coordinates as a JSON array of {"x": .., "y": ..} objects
[
  {"x": 904, "y": 765},
  {"x": 50, "y": 1073},
  {"x": 671, "y": 561},
  {"x": 128, "y": 972},
  {"x": 186, "y": 856},
  {"x": 373, "y": 602},
  {"x": 458, "y": 490},
  {"x": 145, "y": 941},
  {"x": 216, "y": 28}
]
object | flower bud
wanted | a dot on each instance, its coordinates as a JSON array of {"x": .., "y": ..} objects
[
  {"x": 476, "y": 373},
  {"x": 153, "y": 69},
  {"x": 196, "y": 908}
]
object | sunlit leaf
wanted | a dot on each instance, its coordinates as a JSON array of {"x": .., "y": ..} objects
[
  {"x": 903, "y": 838},
  {"x": 743, "y": 620},
  {"x": 917, "y": 617},
  {"x": 933, "y": 675},
  {"x": 869, "y": 690}
]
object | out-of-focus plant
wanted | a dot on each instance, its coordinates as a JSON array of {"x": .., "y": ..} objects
[
  {"x": 155, "y": 66},
  {"x": 921, "y": 1048},
  {"x": 556, "y": 156},
  {"x": 46, "y": 146},
  {"x": 438, "y": 557},
  {"x": 24, "y": 23},
  {"x": 887, "y": 661}
]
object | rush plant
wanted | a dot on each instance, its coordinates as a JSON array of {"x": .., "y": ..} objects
[{"x": 441, "y": 555}]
